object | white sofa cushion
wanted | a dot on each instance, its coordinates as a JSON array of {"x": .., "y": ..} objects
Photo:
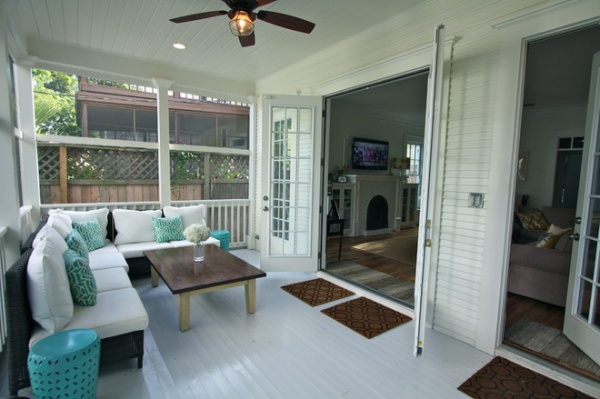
[
  {"x": 51, "y": 233},
  {"x": 111, "y": 279},
  {"x": 108, "y": 248},
  {"x": 191, "y": 214},
  {"x": 48, "y": 286},
  {"x": 136, "y": 250},
  {"x": 61, "y": 224},
  {"x": 109, "y": 260},
  {"x": 134, "y": 226},
  {"x": 116, "y": 312},
  {"x": 81, "y": 216}
]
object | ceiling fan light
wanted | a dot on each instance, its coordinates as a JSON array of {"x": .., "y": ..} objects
[{"x": 241, "y": 24}]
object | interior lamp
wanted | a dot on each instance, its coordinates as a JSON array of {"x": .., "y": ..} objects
[{"x": 241, "y": 23}]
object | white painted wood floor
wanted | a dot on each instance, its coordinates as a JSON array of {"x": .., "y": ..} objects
[{"x": 287, "y": 349}]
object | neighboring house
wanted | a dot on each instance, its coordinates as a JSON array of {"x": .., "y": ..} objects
[{"x": 477, "y": 142}]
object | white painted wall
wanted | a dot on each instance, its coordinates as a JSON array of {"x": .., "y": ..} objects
[
  {"x": 349, "y": 121},
  {"x": 540, "y": 131}
]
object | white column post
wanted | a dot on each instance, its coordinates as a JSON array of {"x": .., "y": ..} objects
[
  {"x": 164, "y": 169},
  {"x": 9, "y": 200},
  {"x": 30, "y": 184}
]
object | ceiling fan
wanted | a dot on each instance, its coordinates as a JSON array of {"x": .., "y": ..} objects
[{"x": 242, "y": 18}]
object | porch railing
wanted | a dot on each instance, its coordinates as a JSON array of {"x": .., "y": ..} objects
[{"x": 232, "y": 215}]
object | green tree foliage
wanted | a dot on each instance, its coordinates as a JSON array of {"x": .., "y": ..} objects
[{"x": 54, "y": 99}]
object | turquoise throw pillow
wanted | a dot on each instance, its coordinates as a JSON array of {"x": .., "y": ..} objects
[
  {"x": 81, "y": 280},
  {"x": 76, "y": 242},
  {"x": 91, "y": 232},
  {"x": 168, "y": 229}
]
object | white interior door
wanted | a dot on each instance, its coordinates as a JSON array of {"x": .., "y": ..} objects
[
  {"x": 291, "y": 155},
  {"x": 432, "y": 128},
  {"x": 582, "y": 315}
]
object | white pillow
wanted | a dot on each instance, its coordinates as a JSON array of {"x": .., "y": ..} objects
[
  {"x": 50, "y": 233},
  {"x": 82, "y": 216},
  {"x": 48, "y": 286},
  {"x": 58, "y": 224},
  {"x": 191, "y": 214},
  {"x": 134, "y": 226},
  {"x": 66, "y": 219}
]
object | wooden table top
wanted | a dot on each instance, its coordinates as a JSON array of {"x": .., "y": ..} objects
[{"x": 178, "y": 270}]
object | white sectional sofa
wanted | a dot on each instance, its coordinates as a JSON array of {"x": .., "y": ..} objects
[{"x": 74, "y": 273}]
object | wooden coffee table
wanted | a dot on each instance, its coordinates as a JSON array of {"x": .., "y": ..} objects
[{"x": 218, "y": 270}]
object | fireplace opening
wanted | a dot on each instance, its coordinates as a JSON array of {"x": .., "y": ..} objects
[{"x": 377, "y": 213}]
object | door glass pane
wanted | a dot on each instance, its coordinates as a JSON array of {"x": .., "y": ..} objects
[
  {"x": 594, "y": 225},
  {"x": 589, "y": 258},
  {"x": 596, "y": 315},
  {"x": 585, "y": 296},
  {"x": 291, "y": 179}
]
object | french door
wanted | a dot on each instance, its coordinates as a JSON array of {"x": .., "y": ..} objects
[
  {"x": 291, "y": 170},
  {"x": 582, "y": 312}
]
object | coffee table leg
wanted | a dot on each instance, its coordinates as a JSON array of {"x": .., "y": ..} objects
[
  {"x": 153, "y": 276},
  {"x": 184, "y": 311},
  {"x": 251, "y": 296}
]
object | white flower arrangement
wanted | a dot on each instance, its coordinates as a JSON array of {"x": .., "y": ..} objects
[{"x": 196, "y": 233}]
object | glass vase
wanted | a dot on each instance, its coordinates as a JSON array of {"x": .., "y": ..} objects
[{"x": 198, "y": 252}]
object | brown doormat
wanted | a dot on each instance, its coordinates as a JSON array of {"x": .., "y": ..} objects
[
  {"x": 366, "y": 317},
  {"x": 317, "y": 292},
  {"x": 502, "y": 378}
]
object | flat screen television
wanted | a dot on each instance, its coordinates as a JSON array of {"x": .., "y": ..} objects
[{"x": 369, "y": 154}]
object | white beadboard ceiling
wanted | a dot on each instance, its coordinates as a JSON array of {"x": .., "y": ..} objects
[{"x": 141, "y": 29}]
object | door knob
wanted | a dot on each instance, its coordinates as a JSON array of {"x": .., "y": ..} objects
[
  {"x": 265, "y": 208},
  {"x": 265, "y": 198},
  {"x": 574, "y": 237}
]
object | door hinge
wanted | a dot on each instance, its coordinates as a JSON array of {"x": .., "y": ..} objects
[{"x": 428, "y": 242}]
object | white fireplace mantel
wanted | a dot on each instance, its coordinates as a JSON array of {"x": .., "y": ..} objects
[{"x": 366, "y": 188}]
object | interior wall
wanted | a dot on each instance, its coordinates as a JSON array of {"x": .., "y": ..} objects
[
  {"x": 348, "y": 121},
  {"x": 540, "y": 131}
]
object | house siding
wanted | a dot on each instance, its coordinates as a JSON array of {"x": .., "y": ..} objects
[{"x": 467, "y": 137}]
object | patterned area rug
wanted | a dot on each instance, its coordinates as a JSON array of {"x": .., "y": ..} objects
[
  {"x": 551, "y": 344},
  {"x": 502, "y": 378},
  {"x": 366, "y": 317},
  {"x": 317, "y": 292}
]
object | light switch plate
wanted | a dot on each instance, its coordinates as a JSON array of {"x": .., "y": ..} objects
[{"x": 475, "y": 200}]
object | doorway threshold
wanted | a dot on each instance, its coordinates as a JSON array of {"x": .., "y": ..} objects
[
  {"x": 360, "y": 290},
  {"x": 550, "y": 369}
]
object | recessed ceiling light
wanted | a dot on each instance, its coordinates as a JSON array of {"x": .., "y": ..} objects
[{"x": 179, "y": 46}]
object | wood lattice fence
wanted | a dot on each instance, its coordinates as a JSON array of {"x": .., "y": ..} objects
[{"x": 75, "y": 174}]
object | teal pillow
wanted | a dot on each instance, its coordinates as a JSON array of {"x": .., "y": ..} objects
[
  {"x": 81, "y": 280},
  {"x": 168, "y": 229},
  {"x": 76, "y": 242},
  {"x": 91, "y": 232}
]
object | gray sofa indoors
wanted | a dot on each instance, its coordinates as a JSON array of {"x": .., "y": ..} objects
[{"x": 542, "y": 273}]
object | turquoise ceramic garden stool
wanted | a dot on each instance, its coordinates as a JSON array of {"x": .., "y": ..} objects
[
  {"x": 223, "y": 236},
  {"x": 65, "y": 365}
]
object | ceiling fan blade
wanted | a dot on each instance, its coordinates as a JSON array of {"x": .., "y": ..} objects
[
  {"x": 247, "y": 41},
  {"x": 286, "y": 21},
  {"x": 195, "y": 17},
  {"x": 261, "y": 3}
]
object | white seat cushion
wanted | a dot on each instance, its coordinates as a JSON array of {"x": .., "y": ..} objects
[
  {"x": 136, "y": 250},
  {"x": 108, "y": 247},
  {"x": 186, "y": 243},
  {"x": 108, "y": 261},
  {"x": 109, "y": 317},
  {"x": 111, "y": 279}
]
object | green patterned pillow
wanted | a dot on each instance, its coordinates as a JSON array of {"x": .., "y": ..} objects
[
  {"x": 91, "y": 232},
  {"x": 168, "y": 229},
  {"x": 81, "y": 280},
  {"x": 76, "y": 242}
]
